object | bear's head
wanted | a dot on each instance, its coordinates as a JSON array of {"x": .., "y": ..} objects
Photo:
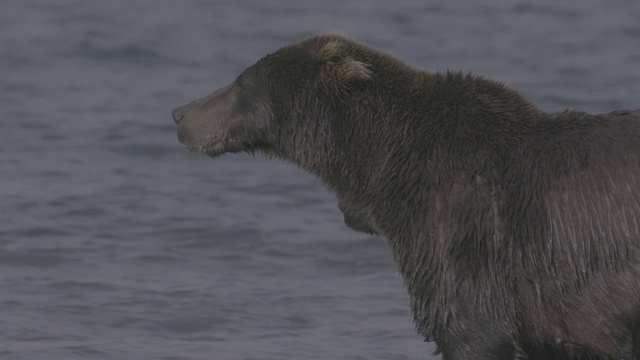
[{"x": 278, "y": 104}]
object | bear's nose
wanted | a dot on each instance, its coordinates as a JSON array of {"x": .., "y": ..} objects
[{"x": 178, "y": 114}]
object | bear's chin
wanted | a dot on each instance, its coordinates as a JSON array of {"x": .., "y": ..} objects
[
  {"x": 213, "y": 148},
  {"x": 217, "y": 148}
]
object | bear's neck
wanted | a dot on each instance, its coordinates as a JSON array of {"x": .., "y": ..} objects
[
  {"x": 392, "y": 141},
  {"x": 394, "y": 130}
]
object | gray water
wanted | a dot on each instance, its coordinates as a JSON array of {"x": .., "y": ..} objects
[{"x": 116, "y": 243}]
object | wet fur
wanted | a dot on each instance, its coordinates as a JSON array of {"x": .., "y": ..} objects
[{"x": 516, "y": 231}]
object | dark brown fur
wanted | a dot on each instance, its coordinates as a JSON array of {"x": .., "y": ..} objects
[{"x": 517, "y": 232}]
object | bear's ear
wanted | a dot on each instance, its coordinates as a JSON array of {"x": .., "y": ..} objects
[{"x": 339, "y": 68}]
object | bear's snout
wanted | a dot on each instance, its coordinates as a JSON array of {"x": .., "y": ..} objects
[
  {"x": 214, "y": 124},
  {"x": 178, "y": 114}
]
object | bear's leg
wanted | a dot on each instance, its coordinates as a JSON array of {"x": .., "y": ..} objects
[
  {"x": 636, "y": 342},
  {"x": 479, "y": 342}
]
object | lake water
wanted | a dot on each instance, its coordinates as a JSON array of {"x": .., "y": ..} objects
[{"x": 116, "y": 243}]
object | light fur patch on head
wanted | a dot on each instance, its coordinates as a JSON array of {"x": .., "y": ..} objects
[
  {"x": 341, "y": 68},
  {"x": 351, "y": 69},
  {"x": 330, "y": 51}
]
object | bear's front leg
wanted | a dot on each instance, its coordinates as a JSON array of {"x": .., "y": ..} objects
[{"x": 479, "y": 342}]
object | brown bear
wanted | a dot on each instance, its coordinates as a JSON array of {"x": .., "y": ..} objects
[{"x": 517, "y": 231}]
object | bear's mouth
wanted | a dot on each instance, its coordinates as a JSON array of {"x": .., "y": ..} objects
[
  {"x": 217, "y": 147},
  {"x": 212, "y": 148}
]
